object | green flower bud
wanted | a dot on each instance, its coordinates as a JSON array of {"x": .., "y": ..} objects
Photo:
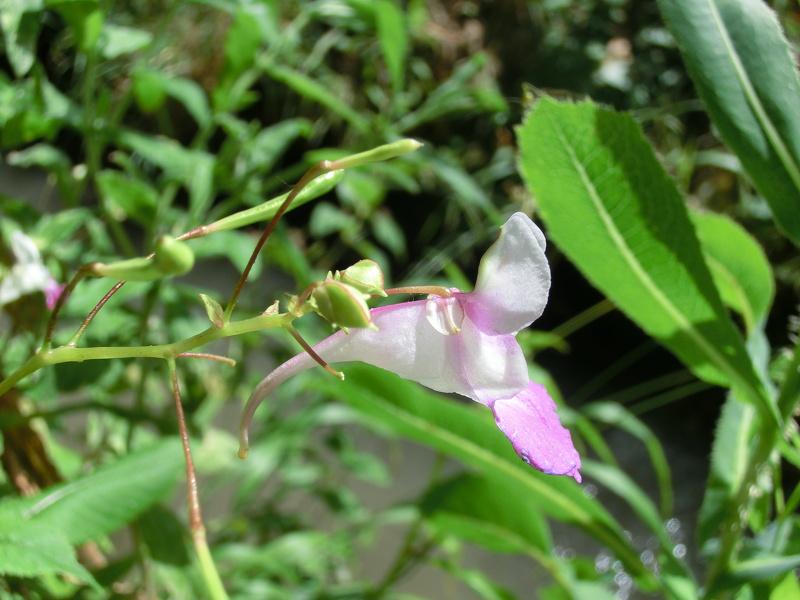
[
  {"x": 366, "y": 276},
  {"x": 171, "y": 258},
  {"x": 341, "y": 304}
]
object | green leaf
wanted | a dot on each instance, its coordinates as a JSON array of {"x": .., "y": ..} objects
[
  {"x": 616, "y": 415},
  {"x": 739, "y": 266},
  {"x": 194, "y": 169},
  {"x": 20, "y": 22},
  {"x": 469, "y": 434},
  {"x": 102, "y": 502},
  {"x": 729, "y": 457},
  {"x": 391, "y": 25},
  {"x": 85, "y": 19},
  {"x": 117, "y": 40},
  {"x": 745, "y": 73},
  {"x": 488, "y": 513},
  {"x": 126, "y": 196},
  {"x": 32, "y": 550},
  {"x": 316, "y": 92},
  {"x": 610, "y": 206}
]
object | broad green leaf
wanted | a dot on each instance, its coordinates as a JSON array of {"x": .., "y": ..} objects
[
  {"x": 487, "y": 513},
  {"x": 610, "y": 206},
  {"x": 469, "y": 434},
  {"x": 745, "y": 72},
  {"x": 102, "y": 502},
  {"x": 739, "y": 266},
  {"x": 391, "y": 25}
]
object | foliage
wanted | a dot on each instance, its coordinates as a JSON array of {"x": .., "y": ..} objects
[{"x": 174, "y": 127}]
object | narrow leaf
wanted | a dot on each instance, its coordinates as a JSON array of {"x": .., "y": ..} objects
[
  {"x": 610, "y": 206},
  {"x": 739, "y": 266},
  {"x": 417, "y": 414},
  {"x": 488, "y": 513},
  {"x": 744, "y": 71}
]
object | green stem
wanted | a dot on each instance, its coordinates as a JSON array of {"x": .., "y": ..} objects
[
  {"x": 198, "y": 530},
  {"x": 65, "y": 354}
]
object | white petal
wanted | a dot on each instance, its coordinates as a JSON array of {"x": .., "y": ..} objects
[
  {"x": 24, "y": 249},
  {"x": 513, "y": 279}
]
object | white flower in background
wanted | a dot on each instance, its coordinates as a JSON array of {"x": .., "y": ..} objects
[{"x": 28, "y": 274}]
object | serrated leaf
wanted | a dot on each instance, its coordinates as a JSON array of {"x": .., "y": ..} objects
[
  {"x": 746, "y": 75},
  {"x": 610, "y": 206},
  {"x": 102, "y": 502},
  {"x": 34, "y": 550}
]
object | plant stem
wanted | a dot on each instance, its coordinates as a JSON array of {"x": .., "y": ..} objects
[
  {"x": 196, "y": 527},
  {"x": 318, "y": 169},
  {"x": 64, "y": 354}
]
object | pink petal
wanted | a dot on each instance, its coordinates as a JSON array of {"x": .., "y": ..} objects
[
  {"x": 513, "y": 280},
  {"x": 530, "y": 421}
]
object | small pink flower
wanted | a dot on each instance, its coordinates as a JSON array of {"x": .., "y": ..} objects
[{"x": 465, "y": 344}]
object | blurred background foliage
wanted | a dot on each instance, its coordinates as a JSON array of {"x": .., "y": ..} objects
[{"x": 147, "y": 117}]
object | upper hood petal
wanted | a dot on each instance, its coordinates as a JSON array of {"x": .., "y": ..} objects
[{"x": 513, "y": 279}]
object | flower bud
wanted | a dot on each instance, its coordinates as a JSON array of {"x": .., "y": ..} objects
[
  {"x": 173, "y": 257},
  {"x": 366, "y": 276},
  {"x": 341, "y": 304}
]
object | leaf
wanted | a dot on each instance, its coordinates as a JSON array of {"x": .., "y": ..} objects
[
  {"x": 471, "y": 436},
  {"x": 611, "y": 207},
  {"x": 194, "y": 169},
  {"x": 20, "y": 22},
  {"x": 118, "y": 40},
  {"x": 739, "y": 266},
  {"x": 125, "y": 196},
  {"x": 102, "y": 502},
  {"x": 617, "y": 416},
  {"x": 28, "y": 551},
  {"x": 391, "y": 25},
  {"x": 487, "y": 513},
  {"x": 316, "y": 92},
  {"x": 745, "y": 73},
  {"x": 729, "y": 457},
  {"x": 214, "y": 311}
]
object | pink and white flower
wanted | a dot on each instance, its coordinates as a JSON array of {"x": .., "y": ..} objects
[
  {"x": 465, "y": 343},
  {"x": 28, "y": 273}
]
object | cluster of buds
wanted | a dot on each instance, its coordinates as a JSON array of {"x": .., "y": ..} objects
[{"x": 341, "y": 298}]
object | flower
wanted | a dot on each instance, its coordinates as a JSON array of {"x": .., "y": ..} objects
[
  {"x": 28, "y": 274},
  {"x": 464, "y": 343}
]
